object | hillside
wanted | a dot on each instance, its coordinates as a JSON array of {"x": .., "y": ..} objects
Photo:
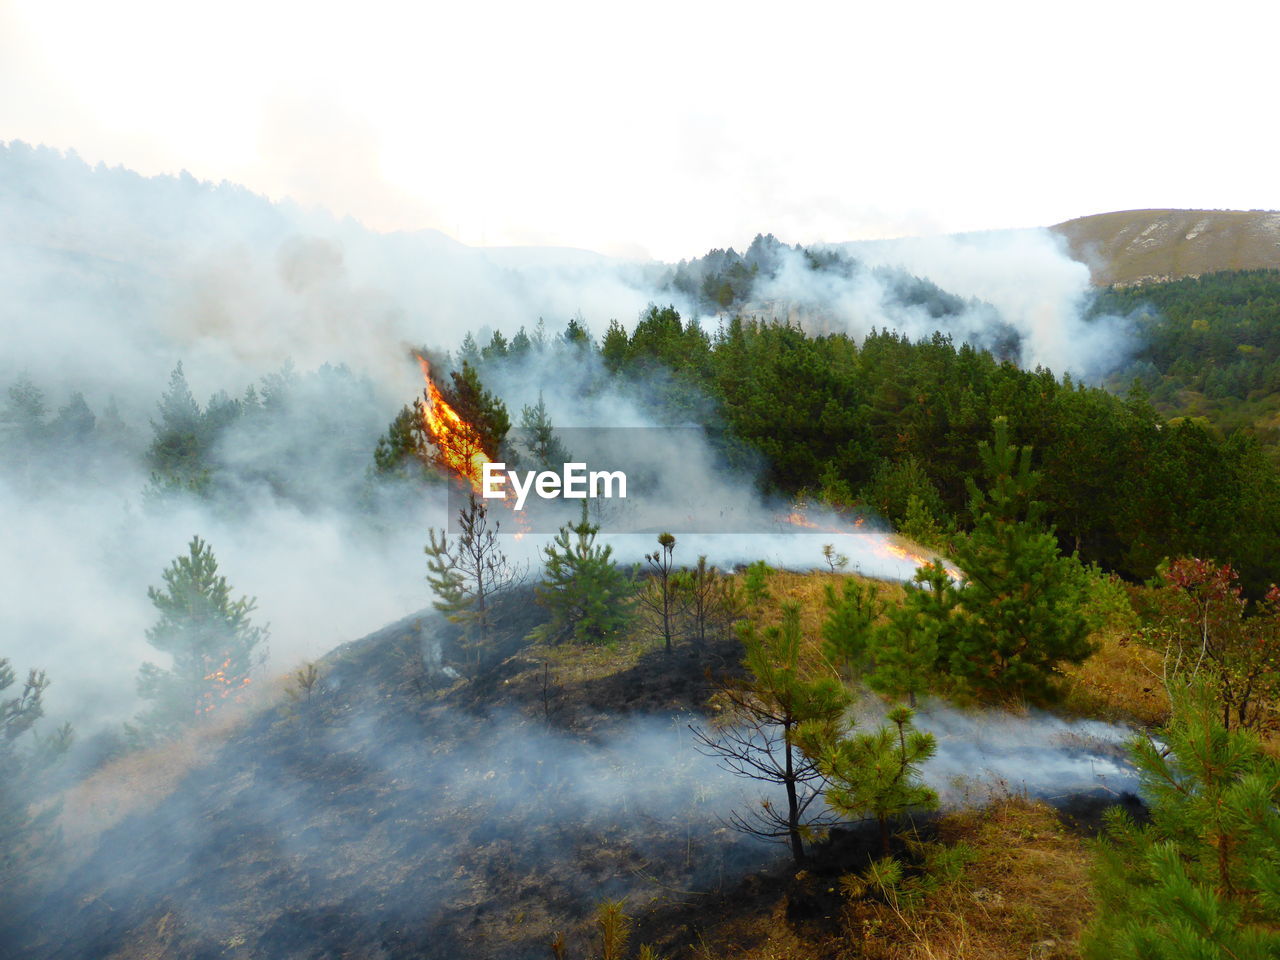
[
  {"x": 397, "y": 811},
  {"x": 1140, "y": 246}
]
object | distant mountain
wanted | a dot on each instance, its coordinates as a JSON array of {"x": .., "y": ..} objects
[{"x": 1141, "y": 246}]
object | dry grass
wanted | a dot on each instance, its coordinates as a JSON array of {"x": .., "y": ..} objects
[
  {"x": 577, "y": 663},
  {"x": 1025, "y": 896},
  {"x": 809, "y": 591},
  {"x": 1121, "y": 682},
  {"x": 138, "y": 781}
]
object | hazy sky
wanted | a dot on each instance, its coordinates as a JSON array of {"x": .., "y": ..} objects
[{"x": 664, "y": 128}]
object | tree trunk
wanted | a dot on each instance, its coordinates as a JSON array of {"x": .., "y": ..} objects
[{"x": 793, "y": 806}]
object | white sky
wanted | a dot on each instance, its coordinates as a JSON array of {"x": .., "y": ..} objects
[{"x": 665, "y": 128}]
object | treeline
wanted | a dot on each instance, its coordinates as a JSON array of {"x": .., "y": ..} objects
[
  {"x": 304, "y": 436},
  {"x": 894, "y": 425},
  {"x": 1208, "y": 346},
  {"x": 723, "y": 280}
]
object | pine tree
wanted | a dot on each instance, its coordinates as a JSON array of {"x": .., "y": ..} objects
[
  {"x": 467, "y": 574},
  {"x": 659, "y": 594},
  {"x": 614, "y": 347},
  {"x": 486, "y": 414},
  {"x": 921, "y": 524},
  {"x": 399, "y": 450},
  {"x": 765, "y": 709},
  {"x": 708, "y": 600},
  {"x": 497, "y": 347},
  {"x": 25, "y": 835},
  {"x": 1202, "y": 878},
  {"x": 178, "y": 454},
  {"x": 520, "y": 344},
  {"x": 24, "y": 413},
  {"x": 588, "y": 596},
  {"x": 213, "y": 644},
  {"x": 469, "y": 352},
  {"x": 1017, "y": 616},
  {"x": 545, "y": 449},
  {"x": 755, "y": 583},
  {"x": 850, "y": 622},
  {"x": 73, "y": 426},
  {"x": 904, "y": 650},
  {"x": 874, "y": 774}
]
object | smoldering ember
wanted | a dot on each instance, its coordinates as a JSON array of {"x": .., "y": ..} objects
[{"x": 372, "y": 595}]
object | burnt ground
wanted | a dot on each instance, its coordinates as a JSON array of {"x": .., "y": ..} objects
[{"x": 404, "y": 812}]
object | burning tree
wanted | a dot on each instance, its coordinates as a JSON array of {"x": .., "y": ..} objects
[
  {"x": 456, "y": 428},
  {"x": 469, "y": 572},
  {"x": 209, "y": 636},
  {"x": 757, "y": 739},
  {"x": 465, "y": 424}
]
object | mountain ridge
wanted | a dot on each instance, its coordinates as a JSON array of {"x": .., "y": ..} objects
[{"x": 1129, "y": 247}]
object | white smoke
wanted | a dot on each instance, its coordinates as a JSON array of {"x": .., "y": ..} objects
[
  {"x": 110, "y": 279},
  {"x": 1025, "y": 279}
]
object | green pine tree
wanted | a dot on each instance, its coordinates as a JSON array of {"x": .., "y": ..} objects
[
  {"x": 212, "y": 643},
  {"x": 904, "y": 650},
  {"x": 1017, "y": 611},
  {"x": 850, "y": 622},
  {"x": 1202, "y": 878},
  {"x": 545, "y": 449},
  {"x": 589, "y": 598},
  {"x": 765, "y": 710},
  {"x": 177, "y": 447},
  {"x": 755, "y": 583},
  {"x": 399, "y": 453},
  {"x": 874, "y": 774},
  {"x": 469, "y": 572}
]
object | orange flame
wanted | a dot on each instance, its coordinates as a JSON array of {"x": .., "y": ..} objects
[
  {"x": 457, "y": 442},
  {"x": 220, "y": 688},
  {"x": 884, "y": 546}
]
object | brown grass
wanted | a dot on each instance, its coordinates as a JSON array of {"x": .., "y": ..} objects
[
  {"x": 577, "y": 663},
  {"x": 137, "y": 781},
  {"x": 1025, "y": 895},
  {"x": 809, "y": 590},
  {"x": 1121, "y": 682}
]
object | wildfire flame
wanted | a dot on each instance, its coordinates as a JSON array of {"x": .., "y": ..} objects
[
  {"x": 221, "y": 687},
  {"x": 459, "y": 450},
  {"x": 457, "y": 442},
  {"x": 884, "y": 546}
]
